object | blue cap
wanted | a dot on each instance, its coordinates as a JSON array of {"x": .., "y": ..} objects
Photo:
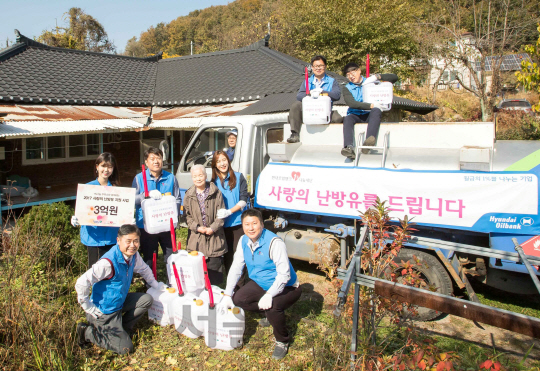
[{"x": 234, "y": 131}]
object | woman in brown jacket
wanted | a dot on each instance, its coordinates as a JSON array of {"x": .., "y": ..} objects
[{"x": 201, "y": 203}]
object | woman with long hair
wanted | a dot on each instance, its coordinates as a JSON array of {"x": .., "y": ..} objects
[
  {"x": 98, "y": 240},
  {"x": 233, "y": 186}
]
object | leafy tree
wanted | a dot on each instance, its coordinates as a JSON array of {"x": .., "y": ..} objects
[
  {"x": 83, "y": 32},
  {"x": 463, "y": 36},
  {"x": 529, "y": 76},
  {"x": 134, "y": 48}
]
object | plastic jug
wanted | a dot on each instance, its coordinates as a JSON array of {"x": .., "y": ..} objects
[
  {"x": 381, "y": 92},
  {"x": 190, "y": 270},
  {"x": 316, "y": 111},
  {"x": 217, "y": 295},
  {"x": 225, "y": 328},
  {"x": 157, "y": 213},
  {"x": 183, "y": 314},
  {"x": 160, "y": 311}
]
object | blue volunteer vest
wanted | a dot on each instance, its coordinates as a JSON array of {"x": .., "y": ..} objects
[
  {"x": 261, "y": 268},
  {"x": 109, "y": 295},
  {"x": 231, "y": 198},
  {"x": 328, "y": 82},
  {"x": 358, "y": 96},
  {"x": 98, "y": 236},
  {"x": 164, "y": 184}
]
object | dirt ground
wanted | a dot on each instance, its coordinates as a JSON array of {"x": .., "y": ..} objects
[{"x": 512, "y": 344}]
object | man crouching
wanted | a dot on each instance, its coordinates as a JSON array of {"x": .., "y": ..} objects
[{"x": 110, "y": 279}]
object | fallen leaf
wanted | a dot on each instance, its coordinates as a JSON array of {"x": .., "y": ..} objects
[
  {"x": 171, "y": 361},
  {"x": 133, "y": 361},
  {"x": 197, "y": 347},
  {"x": 254, "y": 369}
]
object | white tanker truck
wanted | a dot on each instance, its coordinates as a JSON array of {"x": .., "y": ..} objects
[{"x": 468, "y": 193}]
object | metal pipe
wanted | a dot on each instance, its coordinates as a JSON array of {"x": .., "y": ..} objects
[
  {"x": 525, "y": 261},
  {"x": 356, "y": 309},
  {"x": 343, "y": 243},
  {"x": 172, "y": 151},
  {"x": 101, "y": 143},
  {"x": 301, "y": 243}
]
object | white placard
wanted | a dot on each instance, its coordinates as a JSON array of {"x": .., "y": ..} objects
[
  {"x": 487, "y": 202},
  {"x": 104, "y": 206},
  {"x": 379, "y": 92}
]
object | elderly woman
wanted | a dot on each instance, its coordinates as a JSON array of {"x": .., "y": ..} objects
[{"x": 201, "y": 204}]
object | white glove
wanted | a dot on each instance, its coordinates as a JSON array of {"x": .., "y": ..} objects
[
  {"x": 155, "y": 194},
  {"x": 91, "y": 309},
  {"x": 223, "y": 213},
  {"x": 226, "y": 302},
  {"x": 380, "y": 106},
  {"x": 266, "y": 302},
  {"x": 75, "y": 221},
  {"x": 370, "y": 79}
]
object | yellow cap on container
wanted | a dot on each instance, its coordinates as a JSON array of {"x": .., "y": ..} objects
[
  {"x": 236, "y": 310},
  {"x": 193, "y": 253},
  {"x": 168, "y": 194},
  {"x": 171, "y": 290},
  {"x": 199, "y": 302}
]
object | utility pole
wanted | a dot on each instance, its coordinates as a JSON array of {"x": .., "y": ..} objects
[{"x": 191, "y": 47}]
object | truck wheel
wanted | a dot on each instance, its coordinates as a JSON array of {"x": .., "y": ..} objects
[{"x": 432, "y": 271}]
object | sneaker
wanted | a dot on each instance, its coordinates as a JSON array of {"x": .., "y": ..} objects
[
  {"x": 264, "y": 322},
  {"x": 348, "y": 152},
  {"x": 295, "y": 138},
  {"x": 81, "y": 338},
  {"x": 370, "y": 141},
  {"x": 280, "y": 350}
]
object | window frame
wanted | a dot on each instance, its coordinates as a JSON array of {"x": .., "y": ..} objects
[{"x": 67, "y": 158}]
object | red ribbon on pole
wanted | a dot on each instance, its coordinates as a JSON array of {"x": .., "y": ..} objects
[
  {"x": 173, "y": 237},
  {"x": 207, "y": 283},
  {"x": 178, "y": 284},
  {"x": 144, "y": 181},
  {"x": 367, "y": 66},
  {"x": 154, "y": 265},
  {"x": 307, "y": 82}
]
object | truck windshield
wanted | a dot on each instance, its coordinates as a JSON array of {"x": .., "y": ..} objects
[{"x": 208, "y": 141}]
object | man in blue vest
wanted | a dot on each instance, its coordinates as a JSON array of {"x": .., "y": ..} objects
[
  {"x": 110, "y": 279},
  {"x": 319, "y": 80},
  {"x": 274, "y": 286},
  {"x": 159, "y": 182},
  {"x": 231, "y": 141},
  {"x": 360, "y": 111}
]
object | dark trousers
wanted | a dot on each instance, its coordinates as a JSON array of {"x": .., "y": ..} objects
[
  {"x": 149, "y": 245},
  {"x": 232, "y": 236},
  {"x": 295, "y": 117},
  {"x": 248, "y": 296},
  {"x": 112, "y": 331},
  {"x": 96, "y": 252},
  {"x": 373, "y": 118},
  {"x": 215, "y": 269}
]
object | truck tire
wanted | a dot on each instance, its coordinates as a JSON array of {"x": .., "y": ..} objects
[{"x": 434, "y": 274}]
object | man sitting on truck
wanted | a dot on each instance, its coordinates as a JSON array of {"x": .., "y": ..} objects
[
  {"x": 231, "y": 141},
  {"x": 360, "y": 111},
  {"x": 319, "y": 80}
]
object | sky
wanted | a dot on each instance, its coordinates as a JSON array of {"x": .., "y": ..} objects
[{"x": 122, "y": 19}]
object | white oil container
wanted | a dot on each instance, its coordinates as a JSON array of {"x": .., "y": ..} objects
[
  {"x": 225, "y": 331},
  {"x": 381, "y": 92},
  {"x": 175, "y": 257},
  {"x": 160, "y": 311},
  {"x": 316, "y": 111},
  {"x": 190, "y": 269},
  {"x": 158, "y": 213},
  {"x": 217, "y": 295},
  {"x": 184, "y": 320}
]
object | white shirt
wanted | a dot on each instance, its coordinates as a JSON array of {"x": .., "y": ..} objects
[
  {"x": 318, "y": 83},
  {"x": 103, "y": 269},
  {"x": 278, "y": 254}
]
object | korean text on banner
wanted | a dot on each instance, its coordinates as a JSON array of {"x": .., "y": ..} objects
[
  {"x": 104, "y": 206},
  {"x": 504, "y": 202}
]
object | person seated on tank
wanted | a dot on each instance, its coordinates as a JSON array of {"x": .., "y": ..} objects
[
  {"x": 231, "y": 141},
  {"x": 319, "y": 80},
  {"x": 159, "y": 182},
  {"x": 274, "y": 286},
  {"x": 360, "y": 111},
  {"x": 201, "y": 204},
  {"x": 111, "y": 310}
]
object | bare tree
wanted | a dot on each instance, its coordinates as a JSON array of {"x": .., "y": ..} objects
[{"x": 472, "y": 37}]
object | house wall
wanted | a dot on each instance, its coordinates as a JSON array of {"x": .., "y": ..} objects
[{"x": 124, "y": 148}]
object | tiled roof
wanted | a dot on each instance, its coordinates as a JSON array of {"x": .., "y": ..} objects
[
  {"x": 34, "y": 73},
  {"x": 31, "y": 72}
]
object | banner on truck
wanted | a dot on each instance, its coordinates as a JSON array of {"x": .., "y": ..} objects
[
  {"x": 504, "y": 202},
  {"x": 104, "y": 206}
]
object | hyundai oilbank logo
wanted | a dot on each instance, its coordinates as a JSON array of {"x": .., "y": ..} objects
[{"x": 527, "y": 221}]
